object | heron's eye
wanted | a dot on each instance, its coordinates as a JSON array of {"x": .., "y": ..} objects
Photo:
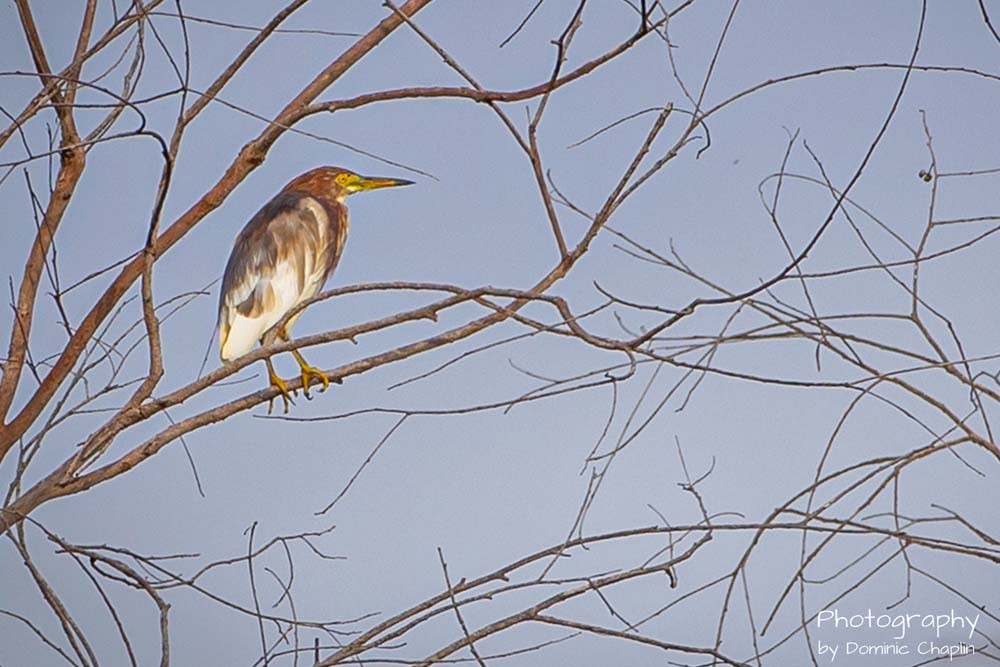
[{"x": 343, "y": 179}]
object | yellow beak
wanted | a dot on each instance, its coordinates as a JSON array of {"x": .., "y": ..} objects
[{"x": 365, "y": 183}]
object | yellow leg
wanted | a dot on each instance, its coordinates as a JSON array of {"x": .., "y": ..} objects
[
  {"x": 280, "y": 384},
  {"x": 309, "y": 372}
]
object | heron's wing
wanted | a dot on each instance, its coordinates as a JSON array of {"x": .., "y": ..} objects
[{"x": 273, "y": 266}]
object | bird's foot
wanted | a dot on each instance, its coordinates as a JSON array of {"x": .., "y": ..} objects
[
  {"x": 309, "y": 372},
  {"x": 286, "y": 395}
]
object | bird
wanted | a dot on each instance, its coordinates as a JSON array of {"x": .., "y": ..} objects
[{"x": 282, "y": 258}]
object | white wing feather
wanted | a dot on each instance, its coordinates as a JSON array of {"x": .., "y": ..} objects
[{"x": 244, "y": 332}]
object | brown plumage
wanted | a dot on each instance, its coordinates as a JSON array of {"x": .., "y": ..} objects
[{"x": 283, "y": 257}]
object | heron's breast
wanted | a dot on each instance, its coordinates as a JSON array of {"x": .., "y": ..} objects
[{"x": 327, "y": 236}]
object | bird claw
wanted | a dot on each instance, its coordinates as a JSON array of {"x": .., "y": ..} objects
[
  {"x": 310, "y": 372},
  {"x": 286, "y": 395}
]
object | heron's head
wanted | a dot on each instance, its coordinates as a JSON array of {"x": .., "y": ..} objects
[{"x": 339, "y": 183}]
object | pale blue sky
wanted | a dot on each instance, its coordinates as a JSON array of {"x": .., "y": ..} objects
[{"x": 489, "y": 487}]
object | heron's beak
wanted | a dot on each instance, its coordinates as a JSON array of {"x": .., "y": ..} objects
[{"x": 365, "y": 183}]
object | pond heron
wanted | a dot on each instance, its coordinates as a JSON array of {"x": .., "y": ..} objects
[{"x": 282, "y": 258}]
